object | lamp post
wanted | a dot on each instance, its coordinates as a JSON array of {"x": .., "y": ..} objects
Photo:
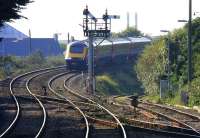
[
  {"x": 189, "y": 44},
  {"x": 196, "y": 13},
  {"x": 168, "y": 64}
]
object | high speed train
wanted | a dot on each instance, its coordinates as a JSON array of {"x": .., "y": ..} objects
[{"x": 76, "y": 52}]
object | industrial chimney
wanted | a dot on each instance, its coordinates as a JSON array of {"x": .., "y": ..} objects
[
  {"x": 128, "y": 20},
  {"x": 136, "y": 21}
]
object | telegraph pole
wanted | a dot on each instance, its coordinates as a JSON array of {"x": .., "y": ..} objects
[
  {"x": 190, "y": 45},
  {"x": 30, "y": 47}
]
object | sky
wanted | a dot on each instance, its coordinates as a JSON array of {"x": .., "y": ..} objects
[{"x": 46, "y": 17}]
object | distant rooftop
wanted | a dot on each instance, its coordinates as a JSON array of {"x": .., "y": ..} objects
[
  {"x": 27, "y": 46},
  {"x": 8, "y": 31}
]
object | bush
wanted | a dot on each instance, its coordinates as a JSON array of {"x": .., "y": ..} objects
[
  {"x": 12, "y": 66},
  {"x": 195, "y": 92},
  {"x": 55, "y": 60},
  {"x": 35, "y": 58},
  {"x": 151, "y": 66}
]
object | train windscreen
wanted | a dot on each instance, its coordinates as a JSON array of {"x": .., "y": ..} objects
[{"x": 76, "y": 49}]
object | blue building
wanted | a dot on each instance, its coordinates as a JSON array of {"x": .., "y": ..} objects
[{"x": 15, "y": 43}]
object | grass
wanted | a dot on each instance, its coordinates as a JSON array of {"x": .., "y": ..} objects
[
  {"x": 152, "y": 98},
  {"x": 121, "y": 100},
  {"x": 170, "y": 99},
  {"x": 118, "y": 78}
]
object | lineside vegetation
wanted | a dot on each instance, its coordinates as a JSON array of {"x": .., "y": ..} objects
[
  {"x": 152, "y": 65},
  {"x": 11, "y": 65}
]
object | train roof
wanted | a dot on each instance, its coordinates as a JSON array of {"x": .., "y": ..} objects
[
  {"x": 122, "y": 40},
  {"x": 125, "y": 40},
  {"x": 79, "y": 43},
  {"x": 115, "y": 41}
]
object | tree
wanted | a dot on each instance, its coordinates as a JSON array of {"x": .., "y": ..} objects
[
  {"x": 150, "y": 63},
  {"x": 151, "y": 66},
  {"x": 129, "y": 32},
  {"x": 10, "y": 9}
]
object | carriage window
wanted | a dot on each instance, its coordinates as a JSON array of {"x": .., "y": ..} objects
[{"x": 76, "y": 49}]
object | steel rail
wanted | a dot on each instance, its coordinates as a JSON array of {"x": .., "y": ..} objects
[
  {"x": 40, "y": 103},
  {"x": 65, "y": 103},
  {"x": 170, "y": 108},
  {"x": 11, "y": 125},
  {"x": 63, "y": 97},
  {"x": 111, "y": 124},
  {"x": 171, "y": 118},
  {"x": 100, "y": 106},
  {"x": 154, "y": 124}
]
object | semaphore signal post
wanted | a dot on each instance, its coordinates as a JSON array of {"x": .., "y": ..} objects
[{"x": 95, "y": 28}]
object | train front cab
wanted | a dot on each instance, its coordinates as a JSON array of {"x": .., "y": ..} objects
[{"x": 76, "y": 55}]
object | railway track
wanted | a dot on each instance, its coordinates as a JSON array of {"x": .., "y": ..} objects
[
  {"x": 167, "y": 128},
  {"x": 145, "y": 119},
  {"x": 181, "y": 131},
  {"x": 64, "y": 103},
  {"x": 64, "y": 118},
  {"x": 184, "y": 119},
  {"x": 93, "y": 102},
  {"x": 93, "y": 106},
  {"x": 22, "y": 113},
  {"x": 22, "y": 90},
  {"x": 69, "y": 101},
  {"x": 131, "y": 124},
  {"x": 127, "y": 116}
]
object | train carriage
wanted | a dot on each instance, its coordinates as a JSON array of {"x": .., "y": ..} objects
[{"x": 76, "y": 52}]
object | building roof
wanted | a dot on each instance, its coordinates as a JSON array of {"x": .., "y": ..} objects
[
  {"x": 23, "y": 47},
  {"x": 8, "y": 31}
]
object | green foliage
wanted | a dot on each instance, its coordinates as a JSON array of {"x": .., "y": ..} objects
[
  {"x": 197, "y": 65},
  {"x": 178, "y": 55},
  {"x": 152, "y": 97},
  {"x": 195, "y": 92},
  {"x": 10, "y": 9},
  {"x": 55, "y": 60},
  {"x": 171, "y": 99},
  {"x": 129, "y": 32},
  {"x": 106, "y": 85},
  {"x": 2, "y": 73},
  {"x": 6, "y": 65},
  {"x": 151, "y": 66},
  {"x": 179, "y": 42},
  {"x": 118, "y": 78},
  {"x": 11, "y": 66},
  {"x": 36, "y": 58},
  {"x": 178, "y": 65}
]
